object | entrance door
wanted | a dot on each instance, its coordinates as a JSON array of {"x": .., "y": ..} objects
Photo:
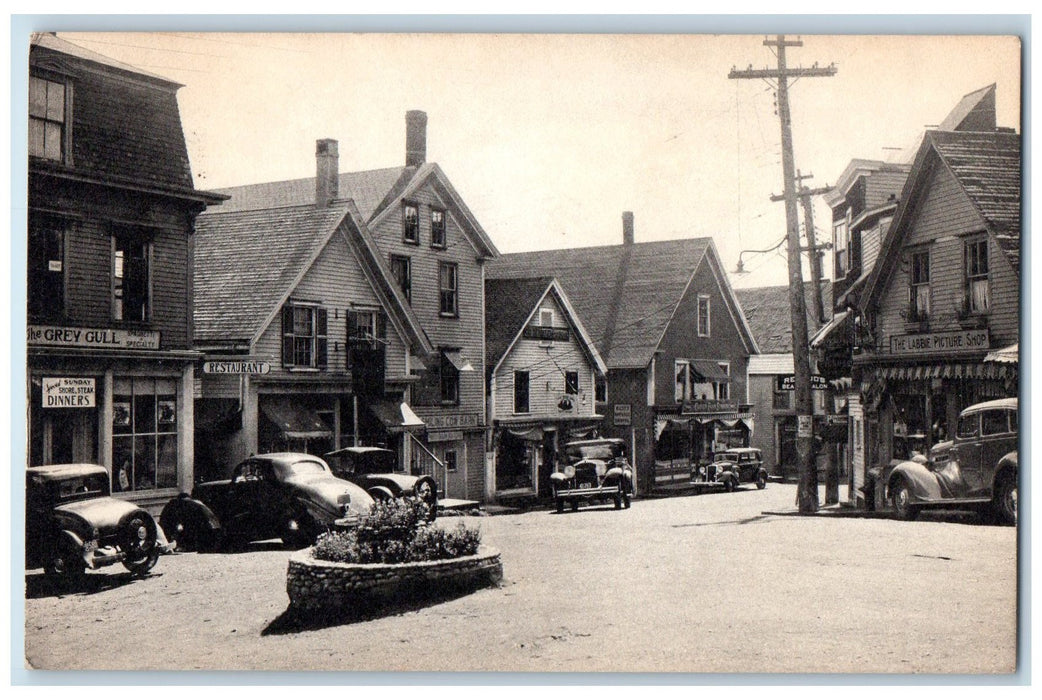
[{"x": 63, "y": 437}]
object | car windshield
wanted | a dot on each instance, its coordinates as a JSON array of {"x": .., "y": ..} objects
[
  {"x": 88, "y": 486},
  {"x": 603, "y": 452},
  {"x": 727, "y": 457},
  {"x": 372, "y": 462},
  {"x": 305, "y": 468}
]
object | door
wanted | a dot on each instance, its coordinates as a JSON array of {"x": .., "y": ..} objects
[{"x": 968, "y": 455}]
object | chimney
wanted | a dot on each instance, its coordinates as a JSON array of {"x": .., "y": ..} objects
[
  {"x": 415, "y": 138},
  {"x": 627, "y": 228},
  {"x": 327, "y": 165}
]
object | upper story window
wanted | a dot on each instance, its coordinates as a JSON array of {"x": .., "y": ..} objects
[
  {"x": 841, "y": 241},
  {"x": 304, "y": 336},
  {"x": 703, "y": 315},
  {"x": 723, "y": 387},
  {"x": 600, "y": 390},
  {"x": 919, "y": 285},
  {"x": 401, "y": 270},
  {"x": 682, "y": 392},
  {"x": 521, "y": 392},
  {"x": 978, "y": 293},
  {"x": 546, "y": 318},
  {"x": 131, "y": 277},
  {"x": 47, "y": 119},
  {"x": 411, "y": 224},
  {"x": 46, "y": 258},
  {"x": 437, "y": 228},
  {"x": 449, "y": 381},
  {"x": 571, "y": 382},
  {"x": 448, "y": 288}
]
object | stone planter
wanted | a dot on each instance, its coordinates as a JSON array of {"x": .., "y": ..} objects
[{"x": 315, "y": 585}]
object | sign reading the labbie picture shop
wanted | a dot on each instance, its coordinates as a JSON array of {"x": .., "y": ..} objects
[
  {"x": 98, "y": 338},
  {"x": 938, "y": 343},
  {"x": 67, "y": 392}
]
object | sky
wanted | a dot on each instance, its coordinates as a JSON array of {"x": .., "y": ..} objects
[{"x": 550, "y": 137}]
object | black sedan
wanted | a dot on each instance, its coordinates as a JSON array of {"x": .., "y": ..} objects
[
  {"x": 372, "y": 468},
  {"x": 290, "y": 495}
]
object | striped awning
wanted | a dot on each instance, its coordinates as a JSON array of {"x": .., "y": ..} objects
[
  {"x": 1008, "y": 355},
  {"x": 947, "y": 370}
]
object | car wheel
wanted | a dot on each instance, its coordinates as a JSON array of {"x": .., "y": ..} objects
[
  {"x": 625, "y": 498},
  {"x": 299, "y": 531},
  {"x": 427, "y": 491},
  {"x": 184, "y": 529},
  {"x": 761, "y": 480},
  {"x": 618, "y": 498},
  {"x": 1005, "y": 503},
  {"x": 729, "y": 485},
  {"x": 901, "y": 500},
  {"x": 575, "y": 504},
  {"x": 140, "y": 543},
  {"x": 65, "y": 565}
]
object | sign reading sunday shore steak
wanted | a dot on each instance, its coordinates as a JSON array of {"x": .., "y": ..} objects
[{"x": 937, "y": 343}]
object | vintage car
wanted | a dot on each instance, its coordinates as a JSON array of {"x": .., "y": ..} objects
[
  {"x": 290, "y": 495},
  {"x": 593, "y": 470},
  {"x": 718, "y": 473},
  {"x": 746, "y": 465},
  {"x": 977, "y": 468},
  {"x": 372, "y": 468},
  {"x": 72, "y": 524}
]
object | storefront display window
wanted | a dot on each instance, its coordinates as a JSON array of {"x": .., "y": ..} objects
[{"x": 144, "y": 434}]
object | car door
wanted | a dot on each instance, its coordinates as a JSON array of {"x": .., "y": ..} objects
[
  {"x": 967, "y": 452},
  {"x": 995, "y": 442},
  {"x": 250, "y": 513}
]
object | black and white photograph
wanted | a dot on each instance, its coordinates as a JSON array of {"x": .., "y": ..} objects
[{"x": 517, "y": 352}]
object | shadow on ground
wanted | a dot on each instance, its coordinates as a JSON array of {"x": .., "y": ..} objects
[
  {"x": 39, "y": 585},
  {"x": 366, "y": 608}
]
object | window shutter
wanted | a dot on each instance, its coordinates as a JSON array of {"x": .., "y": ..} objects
[
  {"x": 321, "y": 341},
  {"x": 381, "y": 326},
  {"x": 352, "y": 319},
  {"x": 287, "y": 336}
]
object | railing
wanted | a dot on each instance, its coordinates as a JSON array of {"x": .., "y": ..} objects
[{"x": 425, "y": 463}]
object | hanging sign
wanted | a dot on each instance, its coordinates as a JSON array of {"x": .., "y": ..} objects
[
  {"x": 804, "y": 426},
  {"x": 817, "y": 382},
  {"x": 68, "y": 392},
  {"x": 236, "y": 367}
]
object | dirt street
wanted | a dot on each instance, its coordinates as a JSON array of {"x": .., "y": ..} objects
[{"x": 703, "y": 583}]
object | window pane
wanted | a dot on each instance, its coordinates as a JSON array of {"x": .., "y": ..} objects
[
  {"x": 144, "y": 413},
  {"x": 166, "y": 463},
  {"x": 37, "y": 97},
  {"x": 122, "y": 420},
  {"x": 123, "y": 463},
  {"x": 55, "y": 101},
  {"x": 994, "y": 422},
  {"x": 36, "y": 128},
  {"x": 52, "y": 141},
  {"x": 144, "y": 462}
]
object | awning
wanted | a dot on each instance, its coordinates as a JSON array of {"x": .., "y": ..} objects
[
  {"x": 295, "y": 421},
  {"x": 396, "y": 416},
  {"x": 946, "y": 370},
  {"x": 1008, "y": 355},
  {"x": 709, "y": 370},
  {"x": 822, "y": 334},
  {"x": 457, "y": 360}
]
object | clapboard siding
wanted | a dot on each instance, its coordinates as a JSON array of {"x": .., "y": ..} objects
[
  {"x": 942, "y": 220},
  {"x": 465, "y": 332},
  {"x": 546, "y": 363},
  {"x": 335, "y": 281}
]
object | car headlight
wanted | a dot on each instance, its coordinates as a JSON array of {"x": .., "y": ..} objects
[
  {"x": 701, "y": 471},
  {"x": 569, "y": 471}
]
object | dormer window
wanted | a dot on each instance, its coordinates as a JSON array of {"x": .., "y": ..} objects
[
  {"x": 47, "y": 119},
  {"x": 977, "y": 289},
  {"x": 841, "y": 241},
  {"x": 546, "y": 318},
  {"x": 703, "y": 315},
  {"x": 411, "y": 224}
]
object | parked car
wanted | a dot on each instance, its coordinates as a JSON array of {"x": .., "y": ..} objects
[
  {"x": 977, "y": 468},
  {"x": 290, "y": 495},
  {"x": 720, "y": 472},
  {"x": 593, "y": 470},
  {"x": 746, "y": 465},
  {"x": 372, "y": 468},
  {"x": 72, "y": 524}
]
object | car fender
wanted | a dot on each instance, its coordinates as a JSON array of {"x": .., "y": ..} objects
[
  {"x": 382, "y": 492},
  {"x": 185, "y": 505},
  {"x": 1007, "y": 467},
  {"x": 921, "y": 481},
  {"x": 558, "y": 478}
]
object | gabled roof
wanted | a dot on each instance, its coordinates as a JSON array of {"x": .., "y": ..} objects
[
  {"x": 768, "y": 313},
  {"x": 986, "y": 166},
  {"x": 975, "y": 112},
  {"x": 247, "y": 263},
  {"x": 47, "y": 40},
  {"x": 625, "y": 294},
  {"x": 510, "y": 304},
  {"x": 373, "y": 191}
]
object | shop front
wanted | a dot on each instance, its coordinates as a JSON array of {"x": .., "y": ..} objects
[
  {"x": 130, "y": 411},
  {"x": 691, "y": 435},
  {"x": 526, "y": 452}
]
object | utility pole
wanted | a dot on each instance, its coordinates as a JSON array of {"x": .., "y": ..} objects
[
  {"x": 808, "y": 488},
  {"x": 815, "y": 250}
]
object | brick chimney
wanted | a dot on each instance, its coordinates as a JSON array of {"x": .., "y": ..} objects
[
  {"x": 627, "y": 228},
  {"x": 415, "y": 138},
  {"x": 327, "y": 177}
]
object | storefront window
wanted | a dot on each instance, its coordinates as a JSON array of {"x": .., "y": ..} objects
[{"x": 144, "y": 434}]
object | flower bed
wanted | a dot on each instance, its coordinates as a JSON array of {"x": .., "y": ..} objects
[{"x": 315, "y": 585}]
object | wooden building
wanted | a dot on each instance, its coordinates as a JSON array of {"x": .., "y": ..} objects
[
  {"x": 665, "y": 320},
  {"x": 405, "y": 275},
  {"x": 945, "y": 289},
  {"x": 543, "y": 372},
  {"x": 112, "y": 209}
]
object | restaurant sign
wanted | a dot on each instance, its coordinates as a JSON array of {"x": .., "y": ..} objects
[
  {"x": 937, "y": 343},
  {"x": 68, "y": 392},
  {"x": 236, "y": 367},
  {"x": 97, "y": 338}
]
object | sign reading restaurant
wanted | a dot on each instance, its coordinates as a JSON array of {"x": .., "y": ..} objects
[
  {"x": 97, "y": 338},
  {"x": 935, "y": 343},
  {"x": 236, "y": 367}
]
